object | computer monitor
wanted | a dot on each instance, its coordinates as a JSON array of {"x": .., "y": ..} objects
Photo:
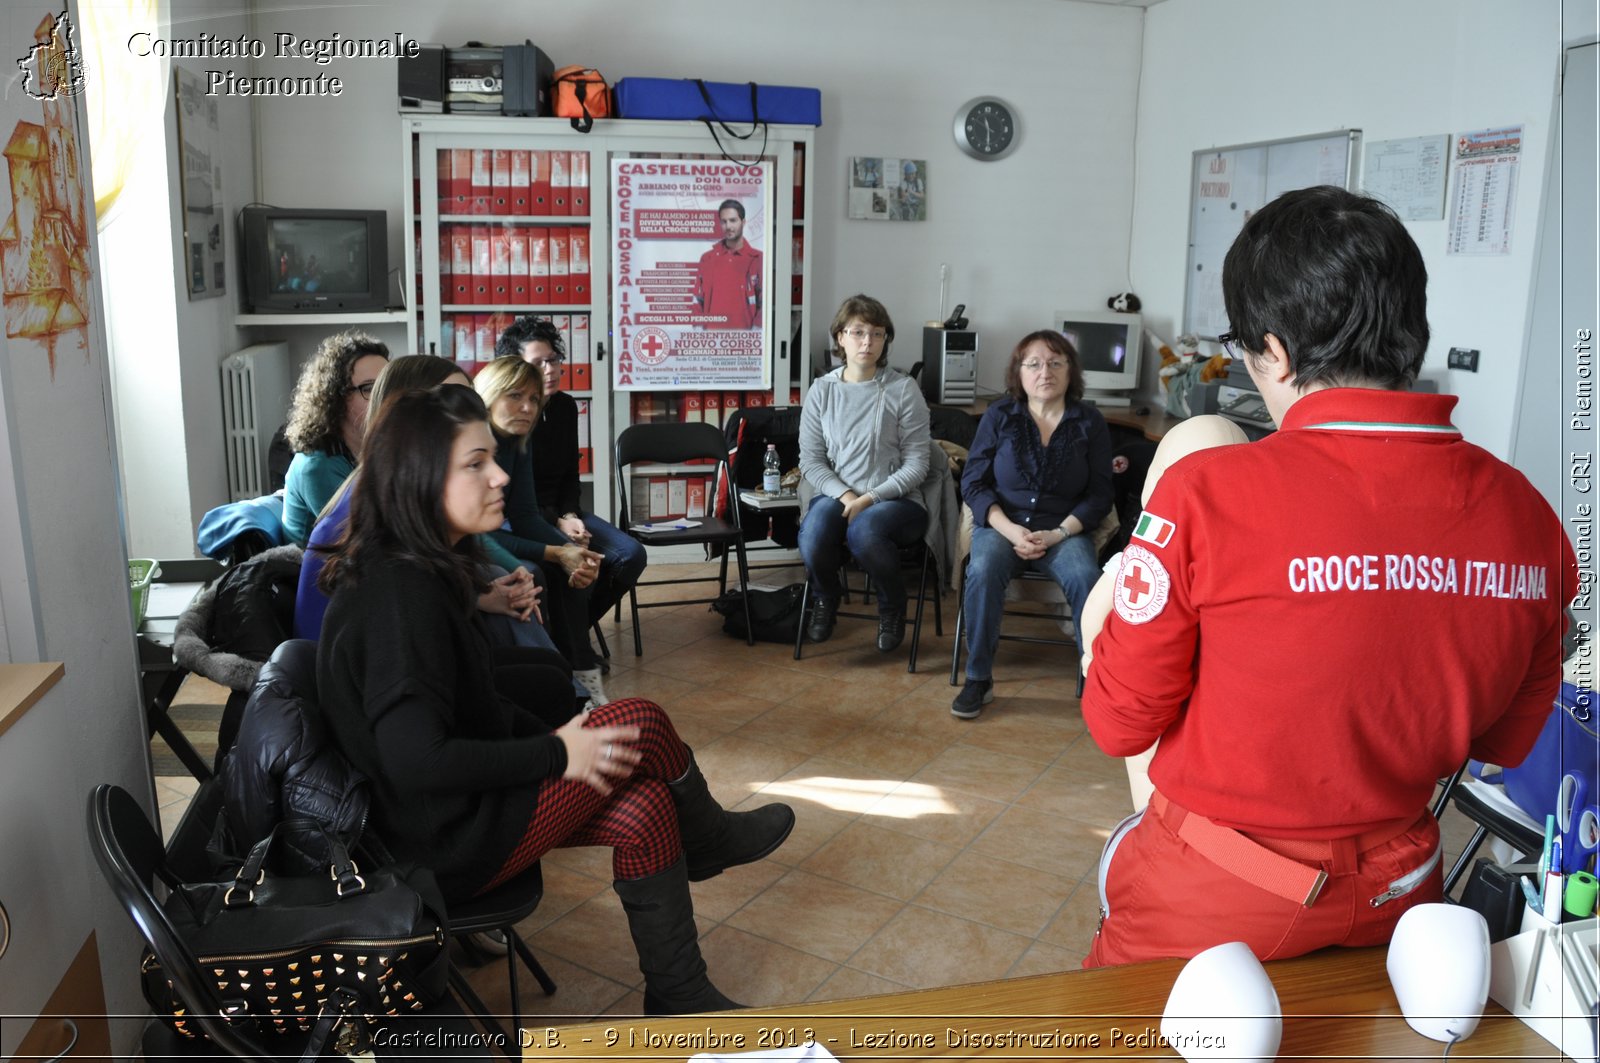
[{"x": 1109, "y": 352}]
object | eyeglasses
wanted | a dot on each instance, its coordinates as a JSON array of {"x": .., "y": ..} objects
[
  {"x": 364, "y": 390},
  {"x": 1228, "y": 339},
  {"x": 859, "y": 334},
  {"x": 1055, "y": 365}
]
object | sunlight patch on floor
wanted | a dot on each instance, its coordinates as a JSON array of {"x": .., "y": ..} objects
[{"x": 891, "y": 798}]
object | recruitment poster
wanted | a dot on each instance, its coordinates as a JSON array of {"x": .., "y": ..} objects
[{"x": 690, "y": 274}]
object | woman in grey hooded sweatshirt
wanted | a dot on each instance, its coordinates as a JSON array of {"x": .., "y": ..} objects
[{"x": 864, "y": 450}]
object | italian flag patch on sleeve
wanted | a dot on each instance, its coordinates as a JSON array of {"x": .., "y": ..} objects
[{"x": 1153, "y": 529}]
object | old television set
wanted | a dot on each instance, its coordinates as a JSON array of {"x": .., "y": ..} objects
[
  {"x": 314, "y": 261},
  {"x": 1109, "y": 351}
]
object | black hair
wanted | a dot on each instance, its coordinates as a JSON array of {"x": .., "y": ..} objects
[
  {"x": 1338, "y": 279},
  {"x": 526, "y": 330},
  {"x": 397, "y": 504},
  {"x": 735, "y": 204}
]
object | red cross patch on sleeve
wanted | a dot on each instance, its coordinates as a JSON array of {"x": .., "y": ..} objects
[{"x": 1142, "y": 586}]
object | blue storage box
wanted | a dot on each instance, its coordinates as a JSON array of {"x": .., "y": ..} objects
[{"x": 681, "y": 98}]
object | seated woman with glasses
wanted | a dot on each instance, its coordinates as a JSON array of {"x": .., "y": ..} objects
[
  {"x": 864, "y": 450},
  {"x": 553, "y": 449},
  {"x": 326, "y": 422},
  {"x": 1038, "y": 481}
]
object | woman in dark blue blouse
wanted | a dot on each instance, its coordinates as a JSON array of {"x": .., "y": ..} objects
[{"x": 1038, "y": 481}]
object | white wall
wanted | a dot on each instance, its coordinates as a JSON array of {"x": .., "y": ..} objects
[
  {"x": 166, "y": 347},
  {"x": 1223, "y": 72},
  {"x": 89, "y": 728},
  {"x": 1045, "y": 228}
]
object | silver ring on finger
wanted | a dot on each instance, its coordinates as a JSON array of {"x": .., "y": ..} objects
[{"x": 608, "y": 751}]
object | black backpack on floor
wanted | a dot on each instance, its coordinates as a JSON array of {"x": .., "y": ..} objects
[{"x": 775, "y": 615}]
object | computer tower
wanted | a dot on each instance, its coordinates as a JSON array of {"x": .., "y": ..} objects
[{"x": 949, "y": 366}]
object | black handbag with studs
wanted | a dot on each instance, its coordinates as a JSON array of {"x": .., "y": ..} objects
[{"x": 278, "y": 948}]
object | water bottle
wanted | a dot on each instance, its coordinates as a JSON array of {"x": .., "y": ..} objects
[{"x": 771, "y": 472}]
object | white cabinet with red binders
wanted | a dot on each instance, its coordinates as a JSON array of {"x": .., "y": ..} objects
[{"x": 512, "y": 216}]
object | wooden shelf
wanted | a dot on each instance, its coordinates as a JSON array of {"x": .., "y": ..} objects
[
  {"x": 21, "y": 687},
  {"x": 371, "y": 317},
  {"x": 508, "y": 308},
  {"x": 529, "y": 219}
]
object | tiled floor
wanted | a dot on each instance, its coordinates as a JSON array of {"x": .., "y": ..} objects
[{"x": 928, "y": 850}]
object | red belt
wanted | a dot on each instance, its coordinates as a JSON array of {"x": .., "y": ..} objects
[{"x": 1276, "y": 869}]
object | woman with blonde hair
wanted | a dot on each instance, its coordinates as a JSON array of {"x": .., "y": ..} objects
[{"x": 512, "y": 391}]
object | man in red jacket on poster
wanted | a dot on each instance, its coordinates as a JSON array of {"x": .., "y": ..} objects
[
  {"x": 728, "y": 284},
  {"x": 1320, "y": 624}
]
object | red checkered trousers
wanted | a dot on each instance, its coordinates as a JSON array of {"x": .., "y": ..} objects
[{"x": 636, "y": 820}]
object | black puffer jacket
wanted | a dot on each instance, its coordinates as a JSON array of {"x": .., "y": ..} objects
[{"x": 284, "y": 765}]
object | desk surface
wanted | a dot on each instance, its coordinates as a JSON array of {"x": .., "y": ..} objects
[
  {"x": 1337, "y": 1004},
  {"x": 1154, "y": 424}
]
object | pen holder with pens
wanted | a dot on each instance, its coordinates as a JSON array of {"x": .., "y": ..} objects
[{"x": 1548, "y": 976}]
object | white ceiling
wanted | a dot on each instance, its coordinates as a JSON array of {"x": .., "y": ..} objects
[{"x": 1122, "y": 3}]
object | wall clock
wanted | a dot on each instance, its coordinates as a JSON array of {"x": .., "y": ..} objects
[{"x": 986, "y": 128}]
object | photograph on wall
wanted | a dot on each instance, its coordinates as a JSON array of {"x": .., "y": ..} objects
[
  {"x": 888, "y": 189},
  {"x": 690, "y": 274},
  {"x": 205, "y": 230}
]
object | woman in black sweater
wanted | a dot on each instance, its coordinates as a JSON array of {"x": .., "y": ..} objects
[
  {"x": 554, "y": 447},
  {"x": 467, "y": 782},
  {"x": 512, "y": 393}
]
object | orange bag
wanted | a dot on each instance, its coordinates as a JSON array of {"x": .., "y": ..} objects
[{"x": 581, "y": 94}]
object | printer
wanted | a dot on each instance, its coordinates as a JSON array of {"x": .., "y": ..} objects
[{"x": 1235, "y": 397}]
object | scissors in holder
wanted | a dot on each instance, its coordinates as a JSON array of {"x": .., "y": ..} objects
[{"x": 1579, "y": 822}]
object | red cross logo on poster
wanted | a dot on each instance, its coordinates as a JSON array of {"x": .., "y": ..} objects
[
  {"x": 652, "y": 346},
  {"x": 1142, "y": 586}
]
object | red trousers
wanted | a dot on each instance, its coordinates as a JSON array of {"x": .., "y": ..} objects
[
  {"x": 1165, "y": 899},
  {"x": 637, "y": 820}
]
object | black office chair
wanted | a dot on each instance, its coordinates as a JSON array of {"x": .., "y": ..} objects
[
  {"x": 921, "y": 558},
  {"x": 130, "y": 855},
  {"x": 747, "y": 434},
  {"x": 1486, "y": 805},
  {"x": 676, "y": 445},
  {"x": 1056, "y": 616},
  {"x": 500, "y": 910}
]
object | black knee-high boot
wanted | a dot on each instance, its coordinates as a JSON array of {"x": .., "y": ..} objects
[
  {"x": 661, "y": 920},
  {"x": 715, "y": 839}
]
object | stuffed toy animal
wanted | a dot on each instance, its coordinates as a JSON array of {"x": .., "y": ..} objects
[
  {"x": 1124, "y": 303},
  {"x": 1182, "y": 370}
]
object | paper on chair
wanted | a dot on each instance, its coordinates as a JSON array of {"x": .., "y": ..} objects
[
  {"x": 798, "y": 1053},
  {"x": 667, "y": 525}
]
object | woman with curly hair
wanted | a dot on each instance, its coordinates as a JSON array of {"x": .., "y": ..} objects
[{"x": 326, "y": 422}]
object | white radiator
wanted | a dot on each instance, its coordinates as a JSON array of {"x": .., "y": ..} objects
[{"x": 255, "y": 401}]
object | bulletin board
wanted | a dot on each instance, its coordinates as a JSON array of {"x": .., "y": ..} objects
[{"x": 1227, "y": 185}]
